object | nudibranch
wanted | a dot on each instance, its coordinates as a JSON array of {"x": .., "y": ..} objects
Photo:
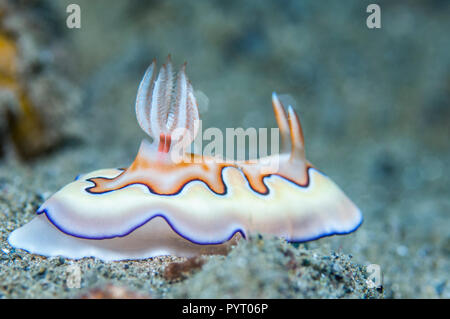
[{"x": 159, "y": 206}]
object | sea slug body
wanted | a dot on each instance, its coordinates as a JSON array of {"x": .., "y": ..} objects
[{"x": 158, "y": 206}]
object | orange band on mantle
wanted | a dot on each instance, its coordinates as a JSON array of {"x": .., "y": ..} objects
[{"x": 154, "y": 176}]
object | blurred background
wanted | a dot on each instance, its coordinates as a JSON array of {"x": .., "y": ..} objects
[{"x": 374, "y": 104}]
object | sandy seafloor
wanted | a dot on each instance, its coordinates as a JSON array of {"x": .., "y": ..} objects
[{"x": 375, "y": 110}]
